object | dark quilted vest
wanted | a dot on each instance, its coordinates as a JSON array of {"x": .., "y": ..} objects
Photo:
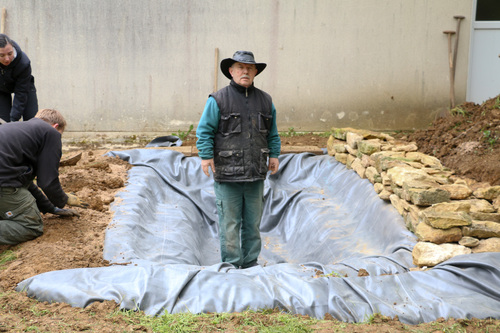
[{"x": 240, "y": 149}]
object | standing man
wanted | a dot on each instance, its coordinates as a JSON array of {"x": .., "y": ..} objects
[
  {"x": 31, "y": 149},
  {"x": 238, "y": 140},
  {"x": 16, "y": 78}
]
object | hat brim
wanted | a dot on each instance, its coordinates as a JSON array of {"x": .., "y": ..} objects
[{"x": 228, "y": 62}]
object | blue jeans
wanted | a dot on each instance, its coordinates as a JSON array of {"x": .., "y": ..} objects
[{"x": 240, "y": 206}]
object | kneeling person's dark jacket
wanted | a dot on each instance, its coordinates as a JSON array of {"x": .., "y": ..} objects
[{"x": 32, "y": 149}]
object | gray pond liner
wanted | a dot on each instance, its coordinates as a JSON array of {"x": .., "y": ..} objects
[{"x": 320, "y": 218}]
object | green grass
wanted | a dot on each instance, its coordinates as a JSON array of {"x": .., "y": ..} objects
[
  {"x": 266, "y": 321},
  {"x": 497, "y": 103},
  {"x": 7, "y": 256},
  {"x": 459, "y": 111},
  {"x": 291, "y": 132}
]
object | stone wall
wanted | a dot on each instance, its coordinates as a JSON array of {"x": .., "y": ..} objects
[{"x": 449, "y": 215}]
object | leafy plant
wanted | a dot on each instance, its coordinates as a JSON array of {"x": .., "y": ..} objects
[
  {"x": 183, "y": 135},
  {"x": 490, "y": 138},
  {"x": 291, "y": 132}
]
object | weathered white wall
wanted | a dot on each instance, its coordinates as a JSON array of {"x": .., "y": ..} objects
[{"x": 148, "y": 66}]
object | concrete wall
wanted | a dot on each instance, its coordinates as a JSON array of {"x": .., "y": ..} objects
[{"x": 148, "y": 66}]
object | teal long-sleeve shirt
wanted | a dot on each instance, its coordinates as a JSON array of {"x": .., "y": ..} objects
[{"x": 209, "y": 124}]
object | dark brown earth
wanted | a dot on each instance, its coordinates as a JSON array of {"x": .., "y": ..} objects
[{"x": 467, "y": 142}]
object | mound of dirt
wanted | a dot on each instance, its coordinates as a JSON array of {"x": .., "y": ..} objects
[{"x": 466, "y": 141}]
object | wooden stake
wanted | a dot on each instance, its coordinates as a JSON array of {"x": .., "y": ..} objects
[
  {"x": 216, "y": 68},
  {"x": 4, "y": 15},
  {"x": 452, "y": 76}
]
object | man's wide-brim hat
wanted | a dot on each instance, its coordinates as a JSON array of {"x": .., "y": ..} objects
[{"x": 245, "y": 57}]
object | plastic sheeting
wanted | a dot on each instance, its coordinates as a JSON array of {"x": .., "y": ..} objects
[{"x": 319, "y": 219}]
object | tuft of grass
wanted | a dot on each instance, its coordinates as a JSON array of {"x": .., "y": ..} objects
[
  {"x": 497, "y": 103},
  {"x": 7, "y": 256},
  {"x": 459, "y": 111}
]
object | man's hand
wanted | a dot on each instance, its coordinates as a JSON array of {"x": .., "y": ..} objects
[
  {"x": 205, "y": 164},
  {"x": 65, "y": 212},
  {"x": 73, "y": 200},
  {"x": 274, "y": 164}
]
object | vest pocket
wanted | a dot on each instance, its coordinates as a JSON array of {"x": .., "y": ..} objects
[
  {"x": 265, "y": 122},
  {"x": 229, "y": 162},
  {"x": 229, "y": 124},
  {"x": 264, "y": 157}
]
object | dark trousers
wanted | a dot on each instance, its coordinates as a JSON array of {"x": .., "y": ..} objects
[
  {"x": 28, "y": 113},
  {"x": 20, "y": 219},
  {"x": 239, "y": 206}
]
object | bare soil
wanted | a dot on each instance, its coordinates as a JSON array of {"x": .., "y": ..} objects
[{"x": 467, "y": 142}]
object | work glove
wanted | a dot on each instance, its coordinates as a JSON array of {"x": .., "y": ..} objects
[
  {"x": 65, "y": 212},
  {"x": 73, "y": 200}
]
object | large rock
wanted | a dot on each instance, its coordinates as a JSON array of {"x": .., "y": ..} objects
[
  {"x": 488, "y": 193},
  {"x": 428, "y": 197},
  {"x": 457, "y": 191},
  {"x": 350, "y": 159},
  {"x": 400, "y": 204},
  {"x": 426, "y": 233},
  {"x": 445, "y": 220},
  {"x": 496, "y": 203},
  {"x": 480, "y": 206},
  {"x": 414, "y": 212},
  {"x": 342, "y": 158},
  {"x": 356, "y": 166},
  {"x": 351, "y": 150},
  {"x": 430, "y": 254},
  {"x": 352, "y": 139},
  {"x": 482, "y": 229},
  {"x": 488, "y": 245},
  {"x": 469, "y": 241},
  {"x": 385, "y": 194},
  {"x": 372, "y": 175},
  {"x": 453, "y": 206},
  {"x": 378, "y": 187},
  {"x": 368, "y": 147},
  {"x": 400, "y": 174},
  {"x": 424, "y": 159},
  {"x": 340, "y": 133},
  {"x": 410, "y": 221},
  {"x": 334, "y": 146},
  {"x": 385, "y": 160},
  {"x": 366, "y": 161},
  {"x": 409, "y": 147},
  {"x": 340, "y": 148},
  {"x": 494, "y": 217}
]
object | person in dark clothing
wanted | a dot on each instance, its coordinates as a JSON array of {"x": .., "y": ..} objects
[
  {"x": 31, "y": 149},
  {"x": 16, "y": 78},
  {"x": 239, "y": 141}
]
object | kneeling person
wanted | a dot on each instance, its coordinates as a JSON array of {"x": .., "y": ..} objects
[{"x": 31, "y": 149}]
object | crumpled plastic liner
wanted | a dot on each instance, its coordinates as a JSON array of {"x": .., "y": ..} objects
[
  {"x": 165, "y": 141},
  {"x": 319, "y": 219}
]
